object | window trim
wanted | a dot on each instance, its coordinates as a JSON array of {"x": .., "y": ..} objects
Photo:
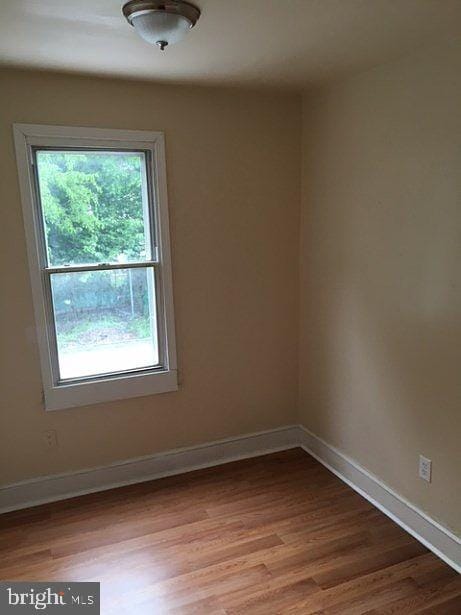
[{"x": 138, "y": 383}]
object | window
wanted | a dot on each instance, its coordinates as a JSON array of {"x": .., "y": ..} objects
[{"x": 96, "y": 220}]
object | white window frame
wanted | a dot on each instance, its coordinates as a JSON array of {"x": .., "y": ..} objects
[{"x": 68, "y": 394}]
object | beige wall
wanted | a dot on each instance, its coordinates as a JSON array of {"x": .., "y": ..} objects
[
  {"x": 380, "y": 324},
  {"x": 234, "y": 181},
  {"x": 380, "y": 346}
]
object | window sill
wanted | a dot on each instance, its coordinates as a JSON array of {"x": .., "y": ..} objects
[{"x": 99, "y": 391}]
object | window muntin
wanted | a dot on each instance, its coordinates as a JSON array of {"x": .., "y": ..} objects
[{"x": 154, "y": 370}]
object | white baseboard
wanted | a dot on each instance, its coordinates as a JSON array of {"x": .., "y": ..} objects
[
  {"x": 45, "y": 489},
  {"x": 431, "y": 534}
]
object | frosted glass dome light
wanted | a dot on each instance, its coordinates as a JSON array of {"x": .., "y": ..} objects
[{"x": 161, "y": 23}]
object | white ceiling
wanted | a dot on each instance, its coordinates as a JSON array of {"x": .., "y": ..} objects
[{"x": 284, "y": 43}]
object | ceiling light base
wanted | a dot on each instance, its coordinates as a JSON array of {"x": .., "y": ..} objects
[{"x": 161, "y": 22}]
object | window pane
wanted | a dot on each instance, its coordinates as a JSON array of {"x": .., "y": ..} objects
[
  {"x": 105, "y": 321},
  {"x": 95, "y": 206}
]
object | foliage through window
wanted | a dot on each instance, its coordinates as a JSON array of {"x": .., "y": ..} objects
[
  {"x": 93, "y": 206},
  {"x": 93, "y": 213}
]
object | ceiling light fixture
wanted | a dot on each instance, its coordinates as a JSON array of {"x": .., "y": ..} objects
[{"x": 161, "y": 22}]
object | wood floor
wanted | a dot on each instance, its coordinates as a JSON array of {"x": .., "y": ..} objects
[{"x": 275, "y": 534}]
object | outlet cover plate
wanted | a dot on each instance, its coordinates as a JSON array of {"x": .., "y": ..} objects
[{"x": 425, "y": 468}]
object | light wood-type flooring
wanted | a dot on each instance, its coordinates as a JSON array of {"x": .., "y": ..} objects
[{"x": 273, "y": 534}]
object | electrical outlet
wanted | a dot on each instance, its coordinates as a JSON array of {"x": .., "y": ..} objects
[
  {"x": 50, "y": 438},
  {"x": 425, "y": 468}
]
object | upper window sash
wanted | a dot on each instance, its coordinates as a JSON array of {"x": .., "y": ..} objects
[{"x": 43, "y": 157}]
